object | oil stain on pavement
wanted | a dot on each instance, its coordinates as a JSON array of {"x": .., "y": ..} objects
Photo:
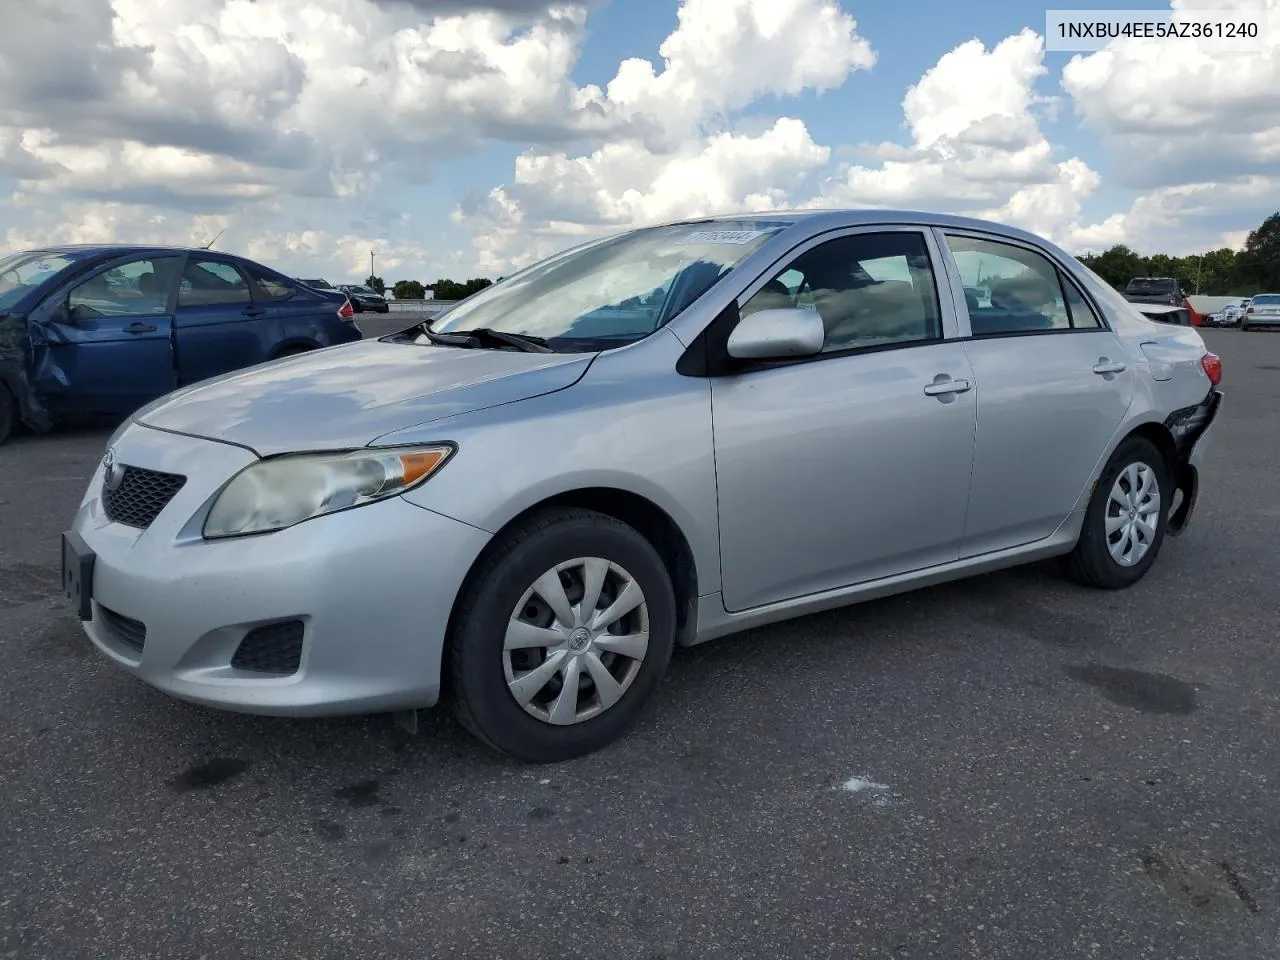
[
  {"x": 1147, "y": 692},
  {"x": 209, "y": 774}
]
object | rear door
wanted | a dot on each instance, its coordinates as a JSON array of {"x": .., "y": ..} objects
[
  {"x": 111, "y": 351},
  {"x": 220, "y": 325},
  {"x": 1053, "y": 385},
  {"x": 308, "y": 316}
]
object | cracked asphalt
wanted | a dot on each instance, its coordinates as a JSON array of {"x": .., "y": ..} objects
[{"x": 1033, "y": 770}]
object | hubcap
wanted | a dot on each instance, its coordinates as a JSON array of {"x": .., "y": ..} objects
[
  {"x": 576, "y": 641},
  {"x": 1133, "y": 514}
]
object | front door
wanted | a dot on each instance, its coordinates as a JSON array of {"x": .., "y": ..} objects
[
  {"x": 842, "y": 469},
  {"x": 116, "y": 354},
  {"x": 1054, "y": 385}
]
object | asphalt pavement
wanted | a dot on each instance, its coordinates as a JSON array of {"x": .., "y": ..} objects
[{"x": 1005, "y": 767}]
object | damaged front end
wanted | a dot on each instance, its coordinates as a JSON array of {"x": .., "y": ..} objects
[
  {"x": 16, "y": 366},
  {"x": 1188, "y": 425}
]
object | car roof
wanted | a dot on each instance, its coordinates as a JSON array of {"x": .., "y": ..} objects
[
  {"x": 90, "y": 249},
  {"x": 837, "y": 217}
]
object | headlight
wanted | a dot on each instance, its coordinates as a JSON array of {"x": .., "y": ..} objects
[{"x": 277, "y": 493}]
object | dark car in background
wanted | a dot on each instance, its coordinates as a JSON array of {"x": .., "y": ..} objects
[
  {"x": 95, "y": 332},
  {"x": 365, "y": 299},
  {"x": 1165, "y": 291}
]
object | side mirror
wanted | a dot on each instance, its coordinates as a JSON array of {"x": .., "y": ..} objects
[
  {"x": 777, "y": 334},
  {"x": 62, "y": 314}
]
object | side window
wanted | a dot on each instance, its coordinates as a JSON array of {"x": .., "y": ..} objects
[
  {"x": 870, "y": 289},
  {"x": 211, "y": 283},
  {"x": 1081, "y": 313},
  {"x": 1009, "y": 289},
  {"x": 137, "y": 288},
  {"x": 268, "y": 286}
]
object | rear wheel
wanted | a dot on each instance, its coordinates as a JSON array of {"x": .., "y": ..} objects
[
  {"x": 8, "y": 414},
  {"x": 561, "y": 637},
  {"x": 1125, "y": 523}
]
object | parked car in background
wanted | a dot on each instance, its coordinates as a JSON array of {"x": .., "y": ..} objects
[
  {"x": 89, "y": 332},
  {"x": 1262, "y": 311},
  {"x": 1232, "y": 312},
  {"x": 658, "y": 438},
  {"x": 1226, "y": 316},
  {"x": 365, "y": 299},
  {"x": 1165, "y": 291}
]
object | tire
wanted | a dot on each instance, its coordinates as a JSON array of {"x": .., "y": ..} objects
[
  {"x": 8, "y": 414},
  {"x": 1092, "y": 562},
  {"x": 503, "y": 588}
]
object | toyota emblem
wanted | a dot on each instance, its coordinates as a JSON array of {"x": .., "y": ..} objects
[{"x": 110, "y": 475}]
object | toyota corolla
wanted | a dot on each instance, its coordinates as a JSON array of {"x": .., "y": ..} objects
[{"x": 650, "y": 440}]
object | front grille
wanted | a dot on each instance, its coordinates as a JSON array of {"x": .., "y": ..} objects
[
  {"x": 275, "y": 648},
  {"x": 140, "y": 496},
  {"x": 132, "y": 633}
]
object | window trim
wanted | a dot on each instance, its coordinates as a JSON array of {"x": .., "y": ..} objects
[
  {"x": 1065, "y": 280},
  {"x": 198, "y": 258},
  {"x": 707, "y": 356},
  {"x": 962, "y": 307}
]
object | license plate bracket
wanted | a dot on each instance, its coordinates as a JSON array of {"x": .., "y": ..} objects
[{"x": 77, "y": 573}]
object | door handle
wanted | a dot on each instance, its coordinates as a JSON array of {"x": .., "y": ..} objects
[
  {"x": 140, "y": 328},
  {"x": 1105, "y": 366},
  {"x": 254, "y": 311},
  {"x": 941, "y": 388}
]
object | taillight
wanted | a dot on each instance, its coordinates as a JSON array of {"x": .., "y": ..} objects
[
  {"x": 346, "y": 311},
  {"x": 1212, "y": 364},
  {"x": 1250, "y": 310}
]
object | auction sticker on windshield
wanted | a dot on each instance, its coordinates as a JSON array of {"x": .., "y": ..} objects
[{"x": 723, "y": 236}]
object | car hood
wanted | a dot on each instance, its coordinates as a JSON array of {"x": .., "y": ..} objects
[{"x": 350, "y": 395}]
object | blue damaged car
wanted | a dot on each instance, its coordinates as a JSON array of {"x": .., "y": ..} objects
[{"x": 95, "y": 332}]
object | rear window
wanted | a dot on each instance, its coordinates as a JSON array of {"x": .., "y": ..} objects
[
  {"x": 1151, "y": 286},
  {"x": 1269, "y": 299}
]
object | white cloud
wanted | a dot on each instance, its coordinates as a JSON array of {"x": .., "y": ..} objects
[
  {"x": 1187, "y": 218},
  {"x": 678, "y": 156},
  {"x": 295, "y": 125},
  {"x": 1170, "y": 115},
  {"x": 976, "y": 146}
]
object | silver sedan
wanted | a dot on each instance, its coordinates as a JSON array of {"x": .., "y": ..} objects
[{"x": 654, "y": 439}]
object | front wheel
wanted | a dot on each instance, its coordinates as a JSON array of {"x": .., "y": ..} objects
[
  {"x": 1125, "y": 522},
  {"x": 561, "y": 636}
]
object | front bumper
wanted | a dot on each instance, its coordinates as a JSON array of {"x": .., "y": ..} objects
[{"x": 370, "y": 591}]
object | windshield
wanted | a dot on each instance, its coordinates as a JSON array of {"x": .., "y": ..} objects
[
  {"x": 356, "y": 288},
  {"x": 22, "y": 271},
  {"x": 610, "y": 292}
]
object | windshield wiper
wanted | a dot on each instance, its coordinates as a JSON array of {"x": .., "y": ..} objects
[{"x": 486, "y": 335}]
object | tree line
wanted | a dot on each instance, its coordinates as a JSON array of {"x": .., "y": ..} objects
[
  {"x": 441, "y": 289},
  {"x": 1225, "y": 272}
]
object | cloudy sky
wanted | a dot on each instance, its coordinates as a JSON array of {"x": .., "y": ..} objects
[{"x": 465, "y": 137}]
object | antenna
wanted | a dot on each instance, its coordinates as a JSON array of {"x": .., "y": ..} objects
[{"x": 209, "y": 245}]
